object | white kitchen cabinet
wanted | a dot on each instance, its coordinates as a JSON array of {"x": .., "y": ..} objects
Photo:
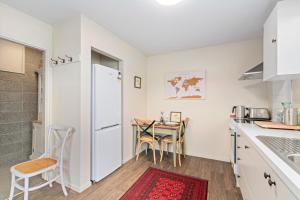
[
  {"x": 253, "y": 169},
  {"x": 282, "y": 42},
  {"x": 12, "y": 57}
]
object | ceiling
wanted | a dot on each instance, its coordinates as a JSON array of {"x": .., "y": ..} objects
[{"x": 154, "y": 28}]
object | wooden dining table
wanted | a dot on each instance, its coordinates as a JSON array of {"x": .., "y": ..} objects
[{"x": 160, "y": 129}]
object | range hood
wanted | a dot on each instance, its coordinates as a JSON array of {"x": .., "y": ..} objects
[{"x": 254, "y": 73}]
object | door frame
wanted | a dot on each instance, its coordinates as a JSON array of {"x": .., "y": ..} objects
[{"x": 46, "y": 84}]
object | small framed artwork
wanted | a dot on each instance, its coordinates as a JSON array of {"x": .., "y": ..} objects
[
  {"x": 175, "y": 117},
  {"x": 137, "y": 82}
]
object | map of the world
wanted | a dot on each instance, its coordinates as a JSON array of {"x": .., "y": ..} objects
[{"x": 185, "y": 85}]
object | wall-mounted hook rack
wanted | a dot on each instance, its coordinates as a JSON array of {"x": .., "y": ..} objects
[
  {"x": 62, "y": 60},
  {"x": 55, "y": 62},
  {"x": 70, "y": 59}
]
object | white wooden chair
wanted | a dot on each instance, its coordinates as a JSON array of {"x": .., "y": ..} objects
[{"x": 44, "y": 164}]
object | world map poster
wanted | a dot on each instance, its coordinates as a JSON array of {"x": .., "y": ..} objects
[{"x": 185, "y": 85}]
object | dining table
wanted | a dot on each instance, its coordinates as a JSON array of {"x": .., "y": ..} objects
[{"x": 160, "y": 129}]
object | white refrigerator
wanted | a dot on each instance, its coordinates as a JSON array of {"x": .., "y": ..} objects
[{"x": 106, "y": 122}]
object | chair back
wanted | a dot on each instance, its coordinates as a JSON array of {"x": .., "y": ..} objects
[
  {"x": 57, "y": 137},
  {"x": 182, "y": 128},
  {"x": 149, "y": 124}
]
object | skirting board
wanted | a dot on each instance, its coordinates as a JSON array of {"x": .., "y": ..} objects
[
  {"x": 76, "y": 188},
  {"x": 224, "y": 158},
  {"x": 71, "y": 186},
  {"x": 80, "y": 189}
]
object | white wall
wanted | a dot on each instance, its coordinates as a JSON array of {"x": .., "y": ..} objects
[
  {"x": 208, "y": 134},
  {"x": 134, "y": 100},
  {"x": 24, "y": 29},
  {"x": 66, "y": 94}
]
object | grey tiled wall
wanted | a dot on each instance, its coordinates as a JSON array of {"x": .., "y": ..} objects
[{"x": 18, "y": 107}]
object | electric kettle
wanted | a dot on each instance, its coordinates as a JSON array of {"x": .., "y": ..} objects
[{"x": 239, "y": 111}]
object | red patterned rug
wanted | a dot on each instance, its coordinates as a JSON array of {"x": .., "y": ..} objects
[{"x": 156, "y": 184}]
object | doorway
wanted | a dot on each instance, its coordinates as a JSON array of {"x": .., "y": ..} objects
[{"x": 21, "y": 107}]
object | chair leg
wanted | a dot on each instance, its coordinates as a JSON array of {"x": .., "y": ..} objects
[
  {"x": 161, "y": 151},
  {"x": 179, "y": 149},
  {"x": 62, "y": 181},
  {"x": 147, "y": 147},
  {"x": 168, "y": 148},
  {"x": 138, "y": 151},
  {"x": 153, "y": 150},
  {"x": 183, "y": 149},
  {"x": 50, "y": 177},
  {"x": 12, "y": 187},
  {"x": 26, "y": 188}
]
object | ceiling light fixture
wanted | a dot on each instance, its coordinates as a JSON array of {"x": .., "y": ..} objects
[{"x": 168, "y": 2}]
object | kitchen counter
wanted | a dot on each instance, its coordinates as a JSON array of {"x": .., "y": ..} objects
[{"x": 288, "y": 175}]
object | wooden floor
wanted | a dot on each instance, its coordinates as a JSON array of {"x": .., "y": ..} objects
[{"x": 219, "y": 174}]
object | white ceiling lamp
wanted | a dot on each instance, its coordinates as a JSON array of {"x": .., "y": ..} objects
[{"x": 168, "y": 2}]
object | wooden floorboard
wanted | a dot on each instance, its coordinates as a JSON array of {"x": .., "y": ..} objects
[{"x": 221, "y": 182}]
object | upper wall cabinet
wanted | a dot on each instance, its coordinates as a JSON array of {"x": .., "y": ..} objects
[
  {"x": 282, "y": 42},
  {"x": 12, "y": 57}
]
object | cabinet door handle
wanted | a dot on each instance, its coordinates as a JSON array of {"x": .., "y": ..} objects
[
  {"x": 239, "y": 159},
  {"x": 266, "y": 175},
  {"x": 239, "y": 135},
  {"x": 247, "y": 147},
  {"x": 274, "y": 40},
  {"x": 238, "y": 147},
  {"x": 271, "y": 182}
]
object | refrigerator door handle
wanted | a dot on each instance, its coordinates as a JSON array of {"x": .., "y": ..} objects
[{"x": 106, "y": 127}]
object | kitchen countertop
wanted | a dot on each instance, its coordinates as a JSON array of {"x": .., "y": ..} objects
[{"x": 288, "y": 175}]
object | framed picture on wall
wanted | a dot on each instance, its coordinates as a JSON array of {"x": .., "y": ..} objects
[
  {"x": 137, "y": 82},
  {"x": 175, "y": 117},
  {"x": 185, "y": 85}
]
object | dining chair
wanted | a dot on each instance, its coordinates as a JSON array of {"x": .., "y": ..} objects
[
  {"x": 146, "y": 135},
  {"x": 46, "y": 163},
  {"x": 179, "y": 143}
]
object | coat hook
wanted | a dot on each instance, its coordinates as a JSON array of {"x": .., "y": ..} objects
[
  {"x": 54, "y": 61},
  {"x": 70, "y": 59},
  {"x": 62, "y": 60}
]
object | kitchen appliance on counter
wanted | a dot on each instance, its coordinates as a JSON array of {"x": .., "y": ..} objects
[
  {"x": 251, "y": 114},
  {"x": 258, "y": 114},
  {"x": 239, "y": 111}
]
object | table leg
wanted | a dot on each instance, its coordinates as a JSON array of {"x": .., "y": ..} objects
[
  {"x": 174, "y": 137},
  {"x": 134, "y": 140}
]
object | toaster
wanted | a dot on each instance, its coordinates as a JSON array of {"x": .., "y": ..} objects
[{"x": 258, "y": 113}]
